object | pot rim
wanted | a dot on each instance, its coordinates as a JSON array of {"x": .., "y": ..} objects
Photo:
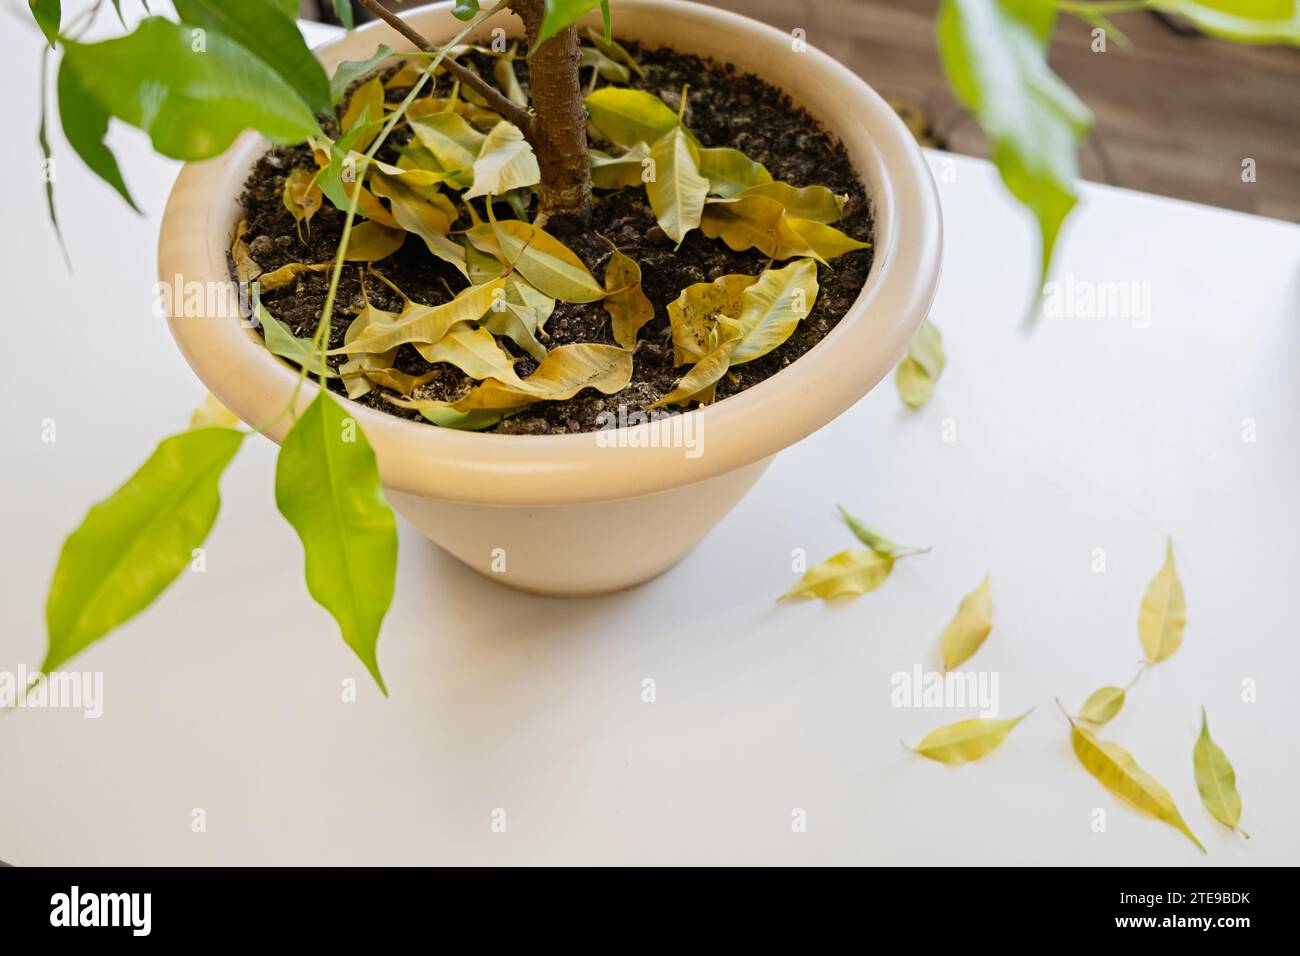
[{"x": 523, "y": 470}]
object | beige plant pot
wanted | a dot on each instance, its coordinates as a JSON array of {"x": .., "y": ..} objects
[{"x": 589, "y": 513}]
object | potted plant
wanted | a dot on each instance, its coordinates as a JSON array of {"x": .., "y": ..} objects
[{"x": 396, "y": 153}]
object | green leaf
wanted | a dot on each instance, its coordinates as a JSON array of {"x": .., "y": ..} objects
[
  {"x": 1216, "y": 781},
  {"x": 563, "y": 13},
  {"x": 349, "y": 71},
  {"x": 280, "y": 341},
  {"x": 920, "y": 369},
  {"x": 133, "y": 544},
  {"x": 967, "y": 740},
  {"x": 85, "y": 124},
  {"x": 1247, "y": 21},
  {"x": 994, "y": 53},
  {"x": 47, "y": 157},
  {"x": 327, "y": 487},
  {"x": 192, "y": 104},
  {"x": 464, "y": 9},
  {"x": 627, "y": 117},
  {"x": 677, "y": 189},
  {"x": 870, "y": 536},
  {"x": 264, "y": 31},
  {"x": 343, "y": 11},
  {"x": 48, "y": 15}
]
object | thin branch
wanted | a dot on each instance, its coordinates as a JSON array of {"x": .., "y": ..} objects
[{"x": 496, "y": 100}]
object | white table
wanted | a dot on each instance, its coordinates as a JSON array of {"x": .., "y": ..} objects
[{"x": 1090, "y": 433}]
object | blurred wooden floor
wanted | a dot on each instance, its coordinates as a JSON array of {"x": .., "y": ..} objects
[{"x": 1174, "y": 115}]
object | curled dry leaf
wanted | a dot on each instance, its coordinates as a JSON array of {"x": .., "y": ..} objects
[
  {"x": 808, "y": 202},
  {"x": 426, "y": 324},
  {"x": 281, "y": 277},
  {"x": 452, "y": 142},
  {"x": 847, "y": 574},
  {"x": 699, "y": 383},
  {"x": 429, "y": 220},
  {"x": 548, "y": 264},
  {"x": 966, "y": 740},
  {"x": 693, "y": 313},
  {"x": 627, "y": 305},
  {"x": 472, "y": 350},
  {"x": 753, "y": 222},
  {"x": 1163, "y": 614},
  {"x": 505, "y": 162},
  {"x": 302, "y": 197},
  {"x": 1216, "y": 781},
  {"x": 246, "y": 267},
  {"x": 921, "y": 367},
  {"x": 1117, "y": 771},
  {"x": 967, "y": 631}
]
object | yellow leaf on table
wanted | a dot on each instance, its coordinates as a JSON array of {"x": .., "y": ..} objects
[
  {"x": 1116, "y": 770},
  {"x": 677, "y": 190},
  {"x": 1163, "y": 614},
  {"x": 370, "y": 241},
  {"x": 1216, "y": 781},
  {"x": 827, "y": 241},
  {"x": 212, "y": 414},
  {"x": 770, "y": 309},
  {"x": 1103, "y": 705},
  {"x": 847, "y": 574},
  {"x": 968, "y": 629},
  {"x": 754, "y": 222},
  {"x": 729, "y": 171},
  {"x": 417, "y": 215},
  {"x": 505, "y": 162},
  {"x": 810, "y": 202},
  {"x": 692, "y": 314},
  {"x": 627, "y": 116},
  {"x": 627, "y": 305},
  {"x": 427, "y": 324},
  {"x": 966, "y": 740},
  {"x": 548, "y": 264},
  {"x": 474, "y": 351},
  {"x": 281, "y": 277},
  {"x": 616, "y": 172},
  {"x": 921, "y": 367}
]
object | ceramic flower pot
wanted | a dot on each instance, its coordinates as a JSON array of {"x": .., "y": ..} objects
[{"x": 594, "y": 512}]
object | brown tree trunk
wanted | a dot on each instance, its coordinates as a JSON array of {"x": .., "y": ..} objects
[{"x": 559, "y": 129}]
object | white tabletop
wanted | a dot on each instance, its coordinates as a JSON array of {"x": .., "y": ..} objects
[{"x": 1090, "y": 433}]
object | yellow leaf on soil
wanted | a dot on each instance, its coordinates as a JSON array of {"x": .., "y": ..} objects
[
  {"x": 677, "y": 190},
  {"x": 371, "y": 242},
  {"x": 754, "y": 222},
  {"x": 505, "y": 162},
  {"x": 810, "y": 202},
  {"x": 693, "y": 313},
  {"x": 427, "y": 324},
  {"x": 627, "y": 305}
]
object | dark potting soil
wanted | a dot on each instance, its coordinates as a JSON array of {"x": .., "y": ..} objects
[{"x": 724, "y": 108}]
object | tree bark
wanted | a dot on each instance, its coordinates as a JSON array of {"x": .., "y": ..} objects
[{"x": 559, "y": 126}]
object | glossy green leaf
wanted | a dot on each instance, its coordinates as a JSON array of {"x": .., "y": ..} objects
[
  {"x": 85, "y": 124},
  {"x": 559, "y": 14},
  {"x": 1216, "y": 781},
  {"x": 464, "y": 9},
  {"x": 191, "y": 104},
  {"x": 994, "y": 53},
  {"x": 921, "y": 367},
  {"x": 133, "y": 544},
  {"x": 1163, "y": 614},
  {"x": 48, "y": 15},
  {"x": 967, "y": 740},
  {"x": 280, "y": 341},
  {"x": 269, "y": 35},
  {"x": 349, "y": 71},
  {"x": 327, "y": 487}
]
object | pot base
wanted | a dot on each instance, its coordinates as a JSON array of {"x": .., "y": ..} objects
[{"x": 578, "y": 550}]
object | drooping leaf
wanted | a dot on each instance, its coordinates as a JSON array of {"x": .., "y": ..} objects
[
  {"x": 700, "y": 381},
  {"x": 1116, "y": 770},
  {"x": 427, "y": 324},
  {"x": 49, "y": 16},
  {"x": 263, "y": 30},
  {"x": 565, "y": 372},
  {"x": 770, "y": 309},
  {"x": 994, "y": 53},
  {"x": 872, "y": 538},
  {"x": 364, "y": 117},
  {"x": 349, "y": 71},
  {"x": 503, "y": 71},
  {"x": 505, "y": 162},
  {"x": 730, "y": 172},
  {"x": 343, "y": 11},
  {"x": 451, "y": 141},
  {"x": 85, "y": 124},
  {"x": 192, "y": 106},
  {"x": 606, "y": 67},
  {"x": 281, "y": 277},
  {"x": 371, "y": 241},
  {"x": 302, "y": 196},
  {"x": 559, "y": 14},
  {"x": 548, "y": 264},
  {"x": 627, "y": 117},
  {"x": 921, "y": 367},
  {"x": 967, "y": 631},
  {"x": 1103, "y": 705},
  {"x": 826, "y": 242},
  {"x": 1246, "y": 21},
  {"x": 420, "y": 216},
  {"x": 617, "y": 172},
  {"x": 327, "y": 487},
  {"x": 474, "y": 351},
  {"x": 627, "y": 305},
  {"x": 677, "y": 190},
  {"x": 134, "y": 543},
  {"x": 810, "y": 202},
  {"x": 967, "y": 740},
  {"x": 847, "y": 574},
  {"x": 613, "y": 49},
  {"x": 1163, "y": 614},
  {"x": 1216, "y": 781},
  {"x": 693, "y": 313},
  {"x": 280, "y": 341},
  {"x": 754, "y": 222},
  {"x": 246, "y": 267}
]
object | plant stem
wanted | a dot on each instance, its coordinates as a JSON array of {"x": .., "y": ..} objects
[{"x": 498, "y": 102}]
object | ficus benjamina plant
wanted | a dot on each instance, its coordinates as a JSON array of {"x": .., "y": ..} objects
[{"x": 256, "y": 72}]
